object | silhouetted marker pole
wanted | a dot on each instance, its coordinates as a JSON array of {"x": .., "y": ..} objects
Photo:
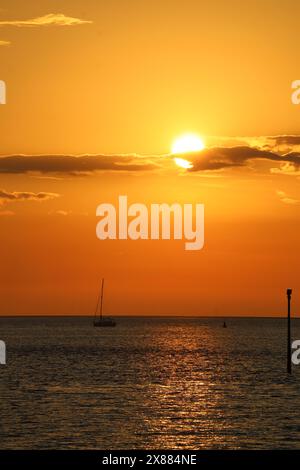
[{"x": 289, "y": 349}]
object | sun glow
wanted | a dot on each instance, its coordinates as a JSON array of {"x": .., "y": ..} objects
[
  {"x": 187, "y": 143},
  {"x": 183, "y": 163}
]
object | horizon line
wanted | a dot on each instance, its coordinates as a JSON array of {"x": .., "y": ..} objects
[{"x": 142, "y": 316}]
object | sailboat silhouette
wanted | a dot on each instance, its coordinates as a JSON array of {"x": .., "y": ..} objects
[{"x": 99, "y": 320}]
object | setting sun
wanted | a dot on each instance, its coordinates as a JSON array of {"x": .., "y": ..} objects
[{"x": 187, "y": 143}]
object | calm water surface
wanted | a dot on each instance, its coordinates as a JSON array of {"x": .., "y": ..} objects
[{"x": 177, "y": 383}]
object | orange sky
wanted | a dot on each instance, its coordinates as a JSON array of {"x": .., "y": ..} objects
[{"x": 121, "y": 80}]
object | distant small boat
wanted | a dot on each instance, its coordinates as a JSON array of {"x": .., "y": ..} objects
[
  {"x": 224, "y": 324},
  {"x": 99, "y": 320}
]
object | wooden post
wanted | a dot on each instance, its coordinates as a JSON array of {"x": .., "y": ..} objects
[{"x": 289, "y": 349}]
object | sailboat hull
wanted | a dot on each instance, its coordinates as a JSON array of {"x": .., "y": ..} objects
[{"x": 105, "y": 323}]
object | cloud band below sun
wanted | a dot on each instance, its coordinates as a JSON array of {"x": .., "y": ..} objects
[{"x": 207, "y": 160}]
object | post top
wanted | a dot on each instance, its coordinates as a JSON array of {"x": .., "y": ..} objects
[{"x": 289, "y": 291}]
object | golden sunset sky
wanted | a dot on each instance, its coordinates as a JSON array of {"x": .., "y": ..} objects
[{"x": 97, "y": 93}]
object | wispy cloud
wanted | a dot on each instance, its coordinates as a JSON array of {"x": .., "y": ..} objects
[
  {"x": 65, "y": 213},
  {"x": 6, "y": 213},
  {"x": 288, "y": 169},
  {"x": 286, "y": 199},
  {"x": 6, "y": 196},
  {"x": 5, "y": 43},
  {"x": 52, "y": 19},
  {"x": 61, "y": 212}
]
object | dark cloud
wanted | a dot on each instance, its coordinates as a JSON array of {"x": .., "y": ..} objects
[
  {"x": 214, "y": 158},
  {"x": 73, "y": 165},
  {"x": 286, "y": 139},
  {"x": 224, "y": 157}
]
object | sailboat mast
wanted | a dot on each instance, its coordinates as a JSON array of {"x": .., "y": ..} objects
[{"x": 101, "y": 305}]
